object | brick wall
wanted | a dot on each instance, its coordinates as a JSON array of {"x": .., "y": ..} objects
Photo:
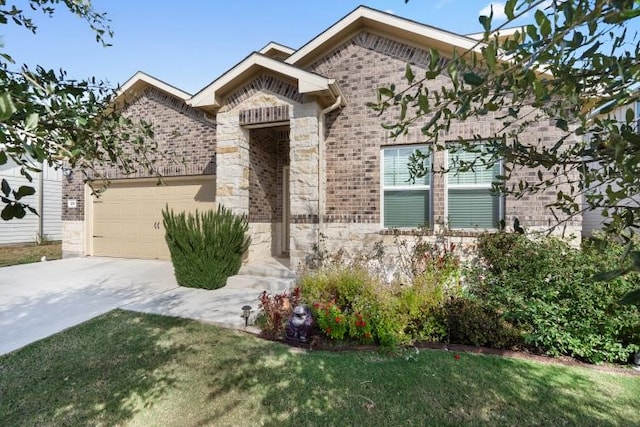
[
  {"x": 355, "y": 135},
  {"x": 262, "y": 83},
  {"x": 178, "y": 128},
  {"x": 268, "y": 153}
]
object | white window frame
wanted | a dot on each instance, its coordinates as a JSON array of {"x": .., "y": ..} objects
[
  {"x": 411, "y": 187},
  {"x": 483, "y": 186}
]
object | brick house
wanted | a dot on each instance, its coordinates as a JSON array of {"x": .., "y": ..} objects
[{"x": 285, "y": 137}]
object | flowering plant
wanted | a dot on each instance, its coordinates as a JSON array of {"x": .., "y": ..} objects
[
  {"x": 331, "y": 320},
  {"x": 360, "y": 327}
]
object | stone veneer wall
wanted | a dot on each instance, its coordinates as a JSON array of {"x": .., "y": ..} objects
[
  {"x": 355, "y": 137},
  {"x": 178, "y": 128}
]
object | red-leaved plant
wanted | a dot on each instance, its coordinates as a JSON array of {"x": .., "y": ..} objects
[{"x": 275, "y": 310}]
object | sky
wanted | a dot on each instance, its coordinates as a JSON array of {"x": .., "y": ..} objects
[{"x": 190, "y": 43}]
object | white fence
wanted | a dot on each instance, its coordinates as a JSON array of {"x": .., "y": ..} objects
[{"x": 26, "y": 229}]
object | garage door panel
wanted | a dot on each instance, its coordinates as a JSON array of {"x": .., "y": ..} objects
[{"x": 128, "y": 216}]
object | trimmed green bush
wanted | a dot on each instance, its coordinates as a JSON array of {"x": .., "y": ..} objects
[
  {"x": 470, "y": 321},
  {"x": 206, "y": 247},
  {"x": 544, "y": 288}
]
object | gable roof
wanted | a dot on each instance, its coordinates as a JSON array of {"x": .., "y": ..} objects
[
  {"x": 287, "y": 63},
  {"x": 307, "y": 83},
  {"x": 140, "y": 81},
  {"x": 380, "y": 22},
  {"x": 276, "y": 50}
]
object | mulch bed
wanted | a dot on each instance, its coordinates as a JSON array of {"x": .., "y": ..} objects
[{"x": 319, "y": 343}]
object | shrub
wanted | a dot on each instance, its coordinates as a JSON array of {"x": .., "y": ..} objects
[
  {"x": 341, "y": 284},
  {"x": 469, "y": 321},
  {"x": 388, "y": 314},
  {"x": 544, "y": 288},
  {"x": 206, "y": 247},
  {"x": 275, "y": 310},
  {"x": 421, "y": 303}
]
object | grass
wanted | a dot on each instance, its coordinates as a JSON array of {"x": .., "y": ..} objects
[
  {"x": 133, "y": 369},
  {"x": 27, "y": 253}
]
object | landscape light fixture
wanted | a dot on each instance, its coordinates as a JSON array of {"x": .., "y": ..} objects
[{"x": 246, "y": 312}]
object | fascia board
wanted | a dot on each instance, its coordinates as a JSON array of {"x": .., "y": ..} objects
[
  {"x": 141, "y": 77},
  {"x": 276, "y": 46},
  {"x": 307, "y": 82},
  {"x": 364, "y": 16}
]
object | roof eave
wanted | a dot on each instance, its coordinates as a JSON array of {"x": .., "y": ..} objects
[
  {"x": 141, "y": 80},
  {"x": 211, "y": 97},
  {"x": 364, "y": 17}
]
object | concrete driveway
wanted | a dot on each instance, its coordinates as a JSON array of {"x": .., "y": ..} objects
[{"x": 40, "y": 299}]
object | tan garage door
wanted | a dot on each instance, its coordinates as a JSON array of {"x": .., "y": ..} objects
[{"x": 127, "y": 218}]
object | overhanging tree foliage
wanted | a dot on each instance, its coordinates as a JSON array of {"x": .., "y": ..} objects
[
  {"x": 573, "y": 64},
  {"x": 48, "y": 119}
]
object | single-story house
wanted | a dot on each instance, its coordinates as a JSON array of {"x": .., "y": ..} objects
[
  {"x": 47, "y": 201},
  {"x": 286, "y": 137}
]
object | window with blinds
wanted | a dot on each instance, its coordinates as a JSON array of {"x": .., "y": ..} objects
[
  {"x": 405, "y": 204},
  {"x": 470, "y": 203}
]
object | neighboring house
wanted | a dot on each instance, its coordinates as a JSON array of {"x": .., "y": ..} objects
[
  {"x": 592, "y": 220},
  {"x": 47, "y": 201},
  {"x": 285, "y": 137}
]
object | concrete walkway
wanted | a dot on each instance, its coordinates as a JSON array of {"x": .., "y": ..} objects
[{"x": 41, "y": 299}]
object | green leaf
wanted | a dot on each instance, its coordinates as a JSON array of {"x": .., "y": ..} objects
[
  {"x": 490, "y": 55},
  {"x": 485, "y": 21},
  {"x": 386, "y": 92},
  {"x": 7, "y": 108},
  {"x": 408, "y": 74},
  {"x": 434, "y": 59},
  {"x": 24, "y": 191},
  {"x": 562, "y": 124},
  {"x": 31, "y": 122},
  {"x": 545, "y": 28},
  {"x": 3, "y": 158},
  {"x": 19, "y": 211},
  {"x": 472, "y": 79},
  {"x": 12, "y": 210},
  {"x": 509, "y": 7},
  {"x": 540, "y": 17},
  {"x": 423, "y": 103},
  {"x": 6, "y": 188},
  {"x": 632, "y": 297},
  {"x": 630, "y": 115}
]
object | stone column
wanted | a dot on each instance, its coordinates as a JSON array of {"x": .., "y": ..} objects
[
  {"x": 303, "y": 182},
  {"x": 232, "y": 151}
]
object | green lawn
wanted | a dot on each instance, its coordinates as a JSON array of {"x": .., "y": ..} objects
[
  {"x": 27, "y": 253},
  {"x": 132, "y": 369}
]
